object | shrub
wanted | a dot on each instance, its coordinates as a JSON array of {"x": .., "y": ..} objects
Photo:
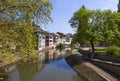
[
  {"x": 60, "y": 46},
  {"x": 113, "y": 50}
]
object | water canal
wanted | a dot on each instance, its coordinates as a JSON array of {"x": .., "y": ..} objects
[{"x": 51, "y": 67}]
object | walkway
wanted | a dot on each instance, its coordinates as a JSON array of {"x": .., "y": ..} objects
[
  {"x": 75, "y": 51},
  {"x": 102, "y": 73},
  {"x": 107, "y": 62}
]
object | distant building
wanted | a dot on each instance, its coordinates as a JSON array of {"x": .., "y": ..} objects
[
  {"x": 58, "y": 40},
  {"x": 41, "y": 39},
  {"x": 65, "y": 38},
  {"x": 69, "y": 37},
  {"x": 55, "y": 39},
  {"x": 61, "y": 37},
  {"x": 49, "y": 40}
]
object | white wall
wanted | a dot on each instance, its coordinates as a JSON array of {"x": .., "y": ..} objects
[
  {"x": 41, "y": 41},
  {"x": 51, "y": 41}
]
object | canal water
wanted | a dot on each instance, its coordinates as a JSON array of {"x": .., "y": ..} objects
[{"x": 51, "y": 67}]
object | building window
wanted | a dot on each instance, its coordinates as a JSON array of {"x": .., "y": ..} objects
[
  {"x": 47, "y": 37},
  {"x": 50, "y": 37},
  {"x": 67, "y": 40},
  {"x": 47, "y": 40},
  {"x": 50, "y": 40}
]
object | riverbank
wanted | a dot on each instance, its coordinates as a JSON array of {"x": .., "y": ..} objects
[
  {"x": 15, "y": 57},
  {"x": 87, "y": 73},
  {"x": 87, "y": 69},
  {"x": 3, "y": 68},
  {"x": 108, "y": 63},
  {"x": 20, "y": 57},
  {"x": 9, "y": 61},
  {"x": 5, "y": 64},
  {"x": 100, "y": 56}
]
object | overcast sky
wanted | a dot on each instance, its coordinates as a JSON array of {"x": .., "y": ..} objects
[{"x": 64, "y": 9}]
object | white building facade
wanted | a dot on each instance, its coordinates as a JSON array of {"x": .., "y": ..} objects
[
  {"x": 41, "y": 40},
  {"x": 49, "y": 40}
]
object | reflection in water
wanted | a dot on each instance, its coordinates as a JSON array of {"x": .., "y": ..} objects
[
  {"x": 51, "y": 67},
  {"x": 27, "y": 71}
]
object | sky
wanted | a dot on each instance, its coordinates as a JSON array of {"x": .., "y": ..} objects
[{"x": 63, "y": 10}]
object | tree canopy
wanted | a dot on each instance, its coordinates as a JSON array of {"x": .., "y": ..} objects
[
  {"x": 25, "y": 10},
  {"x": 17, "y": 30},
  {"x": 95, "y": 26}
]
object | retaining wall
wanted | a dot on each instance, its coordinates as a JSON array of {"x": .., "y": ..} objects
[
  {"x": 111, "y": 68},
  {"x": 100, "y": 56}
]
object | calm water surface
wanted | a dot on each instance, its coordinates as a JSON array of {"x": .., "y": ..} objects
[{"x": 52, "y": 67}]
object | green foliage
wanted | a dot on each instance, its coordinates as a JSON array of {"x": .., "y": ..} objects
[
  {"x": 17, "y": 35},
  {"x": 25, "y": 10},
  {"x": 17, "y": 31},
  {"x": 60, "y": 46},
  {"x": 86, "y": 23},
  {"x": 74, "y": 41},
  {"x": 113, "y": 50},
  {"x": 17, "y": 40},
  {"x": 94, "y": 26},
  {"x": 99, "y": 50},
  {"x": 109, "y": 27},
  {"x": 79, "y": 21},
  {"x": 7, "y": 58}
]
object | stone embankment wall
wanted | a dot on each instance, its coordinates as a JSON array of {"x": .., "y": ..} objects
[
  {"x": 109, "y": 67},
  {"x": 112, "y": 69},
  {"x": 100, "y": 56},
  {"x": 85, "y": 72}
]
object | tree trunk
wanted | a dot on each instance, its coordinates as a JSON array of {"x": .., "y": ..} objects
[
  {"x": 93, "y": 49},
  {"x": 92, "y": 45}
]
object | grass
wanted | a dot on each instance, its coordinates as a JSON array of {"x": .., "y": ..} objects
[
  {"x": 112, "y": 50},
  {"x": 99, "y": 50}
]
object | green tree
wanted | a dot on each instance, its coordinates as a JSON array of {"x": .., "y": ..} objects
[
  {"x": 17, "y": 31},
  {"x": 18, "y": 36},
  {"x": 25, "y": 10},
  {"x": 80, "y": 21},
  {"x": 118, "y": 13},
  {"x": 110, "y": 28},
  {"x": 74, "y": 41},
  {"x": 94, "y": 26},
  {"x": 60, "y": 46}
]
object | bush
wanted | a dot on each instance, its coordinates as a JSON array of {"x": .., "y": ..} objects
[
  {"x": 60, "y": 46},
  {"x": 113, "y": 50}
]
